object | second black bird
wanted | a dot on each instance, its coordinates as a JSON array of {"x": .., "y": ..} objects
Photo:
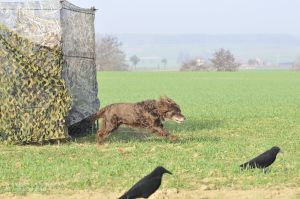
[
  {"x": 263, "y": 160},
  {"x": 147, "y": 185}
]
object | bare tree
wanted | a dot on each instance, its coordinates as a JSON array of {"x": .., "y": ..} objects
[
  {"x": 223, "y": 60},
  {"x": 135, "y": 60},
  {"x": 109, "y": 55},
  {"x": 164, "y": 61}
]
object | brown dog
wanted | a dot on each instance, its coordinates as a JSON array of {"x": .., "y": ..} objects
[{"x": 147, "y": 114}]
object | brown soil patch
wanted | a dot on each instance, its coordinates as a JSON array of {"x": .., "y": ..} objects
[{"x": 286, "y": 193}]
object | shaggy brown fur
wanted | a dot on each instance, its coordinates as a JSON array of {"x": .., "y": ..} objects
[{"x": 147, "y": 114}]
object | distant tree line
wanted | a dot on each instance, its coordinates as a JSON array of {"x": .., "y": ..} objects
[
  {"x": 222, "y": 60},
  {"x": 111, "y": 57}
]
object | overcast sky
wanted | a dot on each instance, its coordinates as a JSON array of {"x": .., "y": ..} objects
[{"x": 196, "y": 16}]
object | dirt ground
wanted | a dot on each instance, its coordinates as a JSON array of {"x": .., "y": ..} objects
[{"x": 286, "y": 193}]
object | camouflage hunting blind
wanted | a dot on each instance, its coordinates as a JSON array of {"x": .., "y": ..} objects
[{"x": 47, "y": 69}]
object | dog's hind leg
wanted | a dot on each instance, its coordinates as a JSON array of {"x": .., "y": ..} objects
[{"x": 102, "y": 134}]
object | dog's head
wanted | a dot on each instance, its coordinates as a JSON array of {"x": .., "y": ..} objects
[{"x": 170, "y": 110}]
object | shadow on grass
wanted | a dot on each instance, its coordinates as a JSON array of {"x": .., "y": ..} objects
[
  {"x": 127, "y": 135},
  {"x": 192, "y": 125}
]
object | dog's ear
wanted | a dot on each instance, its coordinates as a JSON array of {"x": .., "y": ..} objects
[
  {"x": 163, "y": 105},
  {"x": 166, "y": 99}
]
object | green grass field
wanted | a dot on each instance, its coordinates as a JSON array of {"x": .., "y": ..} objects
[{"x": 231, "y": 117}]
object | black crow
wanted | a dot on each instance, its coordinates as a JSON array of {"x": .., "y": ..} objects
[
  {"x": 147, "y": 185},
  {"x": 263, "y": 160}
]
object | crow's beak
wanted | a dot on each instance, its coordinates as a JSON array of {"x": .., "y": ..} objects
[
  {"x": 281, "y": 151},
  {"x": 169, "y": 172}
]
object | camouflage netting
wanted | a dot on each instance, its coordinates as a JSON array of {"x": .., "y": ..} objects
[
  {"x": 34, "y": 99},
  {"x": 47, "y": 68}
]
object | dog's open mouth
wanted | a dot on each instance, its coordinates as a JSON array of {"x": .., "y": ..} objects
[{"x": 178, "y": 119}]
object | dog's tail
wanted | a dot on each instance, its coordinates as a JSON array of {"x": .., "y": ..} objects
[{"x": 98, "y": 114}]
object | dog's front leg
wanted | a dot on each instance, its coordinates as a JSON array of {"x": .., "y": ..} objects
[{"x": 164, "y": 133}]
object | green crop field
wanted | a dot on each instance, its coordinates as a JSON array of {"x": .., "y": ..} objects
[{"x": 230, "y": 117}]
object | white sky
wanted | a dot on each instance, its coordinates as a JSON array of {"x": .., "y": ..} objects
[{"x": 196, "y": 16}]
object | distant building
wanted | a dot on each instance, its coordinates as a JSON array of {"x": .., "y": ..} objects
[
  {"x": 286, "y": 65},
  {"x": 200, "y": 62},
  {"x": 253, "y": 64}
]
